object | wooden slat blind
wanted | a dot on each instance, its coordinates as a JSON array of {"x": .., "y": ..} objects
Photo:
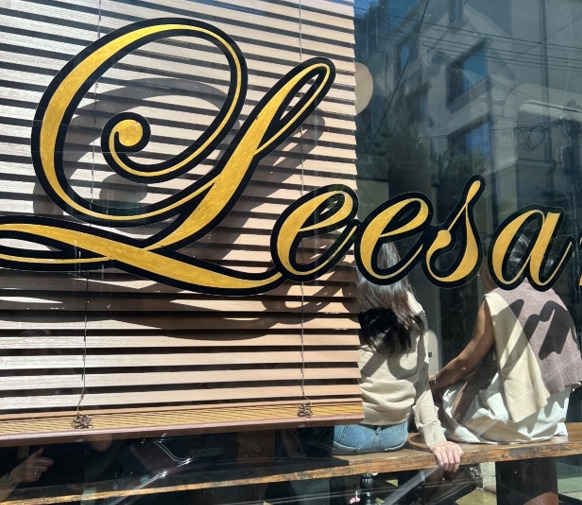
[{"x": 149, "y": 357}]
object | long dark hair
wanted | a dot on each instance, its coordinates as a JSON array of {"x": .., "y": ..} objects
[{"x": 386, "y": 317}]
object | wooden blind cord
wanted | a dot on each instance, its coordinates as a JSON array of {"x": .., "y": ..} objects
[
  {"x": 83, "y": 422},
  {"x": 304, "y": 409}
]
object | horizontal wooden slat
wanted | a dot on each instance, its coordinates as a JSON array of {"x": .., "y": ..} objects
[
  {"x": 127, "y": 424},
  {"x": 173, "y": 396},
  {"x": 182, "y": 359},
  {"x": 329, "y": 285},
  {"x": 127, "y": 341},
  {"x": 135, "y": 322},
  {"x": 178, "y": 306},
  {"x": 117, "y": 380}
]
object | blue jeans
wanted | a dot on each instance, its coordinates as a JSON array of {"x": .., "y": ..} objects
[{"x": 362, "y": 438}]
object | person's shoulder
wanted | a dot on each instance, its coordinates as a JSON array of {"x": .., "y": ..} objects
[
  {"x": 524, "y": 290},
  {"x": 414, "y": 304}
]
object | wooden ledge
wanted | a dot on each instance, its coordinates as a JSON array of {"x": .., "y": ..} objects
[{"x": 414, "y": 456}]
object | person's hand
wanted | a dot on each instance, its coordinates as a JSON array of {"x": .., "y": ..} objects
[
  {"x": 435, "y": 386},
  {"x": 31, "y": 469},
  {"x": 448, "y": 455}
]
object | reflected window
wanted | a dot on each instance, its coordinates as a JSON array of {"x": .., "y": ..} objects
[
  {"x": 407, "y": 53},
  {"x": 466, "y": 73},
  {"x": 475, "y": 139},
  {"x": 455, "y": 10}
]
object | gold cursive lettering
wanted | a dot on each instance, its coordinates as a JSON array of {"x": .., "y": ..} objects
[
  {"x": 537, "y": 256},
  {"x": 396, "y": 219},
  {"x": 198, "y": 208},
  {"x": 469, "y": 254},
  {"x": 323, "y": 210}
]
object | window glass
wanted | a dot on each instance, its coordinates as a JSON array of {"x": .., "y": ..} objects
[
  {"x": 455, "y": 9},
  {"x": 474, "y": 140},
  {"x": 405, "y": 54},
  {"x": 467, "y": 72},
  {"x": 142, "y": 361},
  {"x": 485, "y": 95}
]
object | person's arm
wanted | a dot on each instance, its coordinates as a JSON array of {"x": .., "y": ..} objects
[
  {"x": 448, "y": 454},
  {"x": 481, "y": 342},
  {"x": 30, "y": 470}
]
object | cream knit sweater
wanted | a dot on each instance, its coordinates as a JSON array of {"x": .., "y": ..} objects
[{"x": 394, "y": 386}]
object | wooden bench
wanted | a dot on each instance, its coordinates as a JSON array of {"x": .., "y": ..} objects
[{"x": 262, "y": 471}]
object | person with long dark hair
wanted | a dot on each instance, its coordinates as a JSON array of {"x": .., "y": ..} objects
[
  {"x": 394, "y": 383},
  {"x": 394, "y": 372}
]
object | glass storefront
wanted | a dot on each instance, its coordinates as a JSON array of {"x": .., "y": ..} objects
[
  {"x": 457, "y": 88},
  {"x": 189, "y": 188}
]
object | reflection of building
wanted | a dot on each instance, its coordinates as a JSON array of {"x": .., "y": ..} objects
[
  {"x": 461, "y": 71},
  {"x": 486, "y": 87}
]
